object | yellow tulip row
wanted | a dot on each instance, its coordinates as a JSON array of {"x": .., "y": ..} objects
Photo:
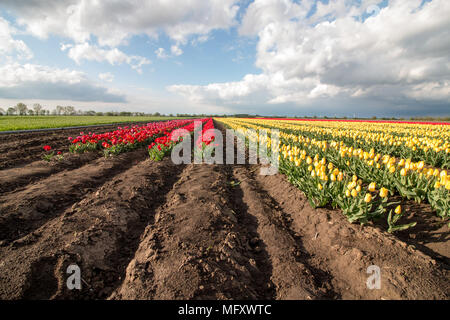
[
  {"x": 392, "y": 163},
  {"x": 414, "y": 137}
]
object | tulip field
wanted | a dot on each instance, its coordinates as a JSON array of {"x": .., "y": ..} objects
[
  {"x": 111, "y": 202},
  {"x": 358, "y": 166}
]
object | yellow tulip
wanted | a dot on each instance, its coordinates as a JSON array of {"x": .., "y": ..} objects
[
  {"x": 372, "y": 187},
  {"x": 403, "y": 172},
  {"x": 347, "y": 193},
  {"x": 398, "y": 209},
  {"x": 383, "y": 192},
  {"x": 368, "y": 198},
  {"x": 354, "y": 193}
]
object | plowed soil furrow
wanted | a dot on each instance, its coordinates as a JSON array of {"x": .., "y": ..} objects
[
  {"x": 33, "y": 143},
  {"x": 23, "y": 211},
  {"x": 15, "y": 178},
  {"x": 291, "y": 277},
  {"x": 100, "y": 233},
  {"x": 345, "y": 251},
  {"x": 194, "y": 249}
]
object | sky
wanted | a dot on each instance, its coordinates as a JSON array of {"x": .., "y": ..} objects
[{"x": 358, "y": 58}]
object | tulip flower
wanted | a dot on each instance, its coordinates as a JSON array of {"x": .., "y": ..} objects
[
  {"x": 368, "y": 198},
  {"x": 384, "y": 192}
]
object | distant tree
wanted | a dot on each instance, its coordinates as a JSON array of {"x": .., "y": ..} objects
[
  {"x": 59, "y": 110},
  {"x": 99, "y": 114},
  {"x": 69, "y": 111},
  {"x": 37, "y": 108},
  {"x": 43, "y": 112},
  {"x": 30, "y": 112},
  {"x": 47, "y": 112},
  {"x": 157, "y": 114},
  {"x": 11, "y": 111},
  {"x": 2, "y": 112},
  {"x": 21, "y": 108}
]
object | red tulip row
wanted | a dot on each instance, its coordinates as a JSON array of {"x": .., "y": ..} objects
[
  {"x": 207, "y": 136},
  {"x": 124, "y": 139},
  {"x": 164, "y": 144}
]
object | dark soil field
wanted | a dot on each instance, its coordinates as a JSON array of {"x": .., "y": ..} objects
[{"x": 141, "y": 229}]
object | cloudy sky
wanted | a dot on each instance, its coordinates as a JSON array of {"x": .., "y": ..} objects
[{"x": 304, "y": 57}]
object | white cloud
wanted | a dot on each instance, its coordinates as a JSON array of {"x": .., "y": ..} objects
[
  {"x": 14, "y": 74},
  {"x": 161, "y": 53},
  {"x": 9, "y": 46},
  {"x": 65, "y": 46},
  {"x": 85, "y": 51},
  {"x": 176, "y": 51},
  {"x": 30, "y": 81},
  {"x": 113, "y": 22},
  {"x": 107, "y": 76},
  {"x": 400, "y": 52}
]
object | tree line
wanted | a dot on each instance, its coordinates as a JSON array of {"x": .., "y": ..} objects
[
  {"x": 22, "y": 109},
  {"x": 37, "y": 109}
]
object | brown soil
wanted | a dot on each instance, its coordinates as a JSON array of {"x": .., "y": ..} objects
[{"x": 154, "y": 230}]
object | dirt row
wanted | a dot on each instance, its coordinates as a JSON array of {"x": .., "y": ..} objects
[{"x": 154, "y": 230}]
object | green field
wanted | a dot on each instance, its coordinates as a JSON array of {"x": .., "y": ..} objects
[{"x": 9, "y": 123}]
